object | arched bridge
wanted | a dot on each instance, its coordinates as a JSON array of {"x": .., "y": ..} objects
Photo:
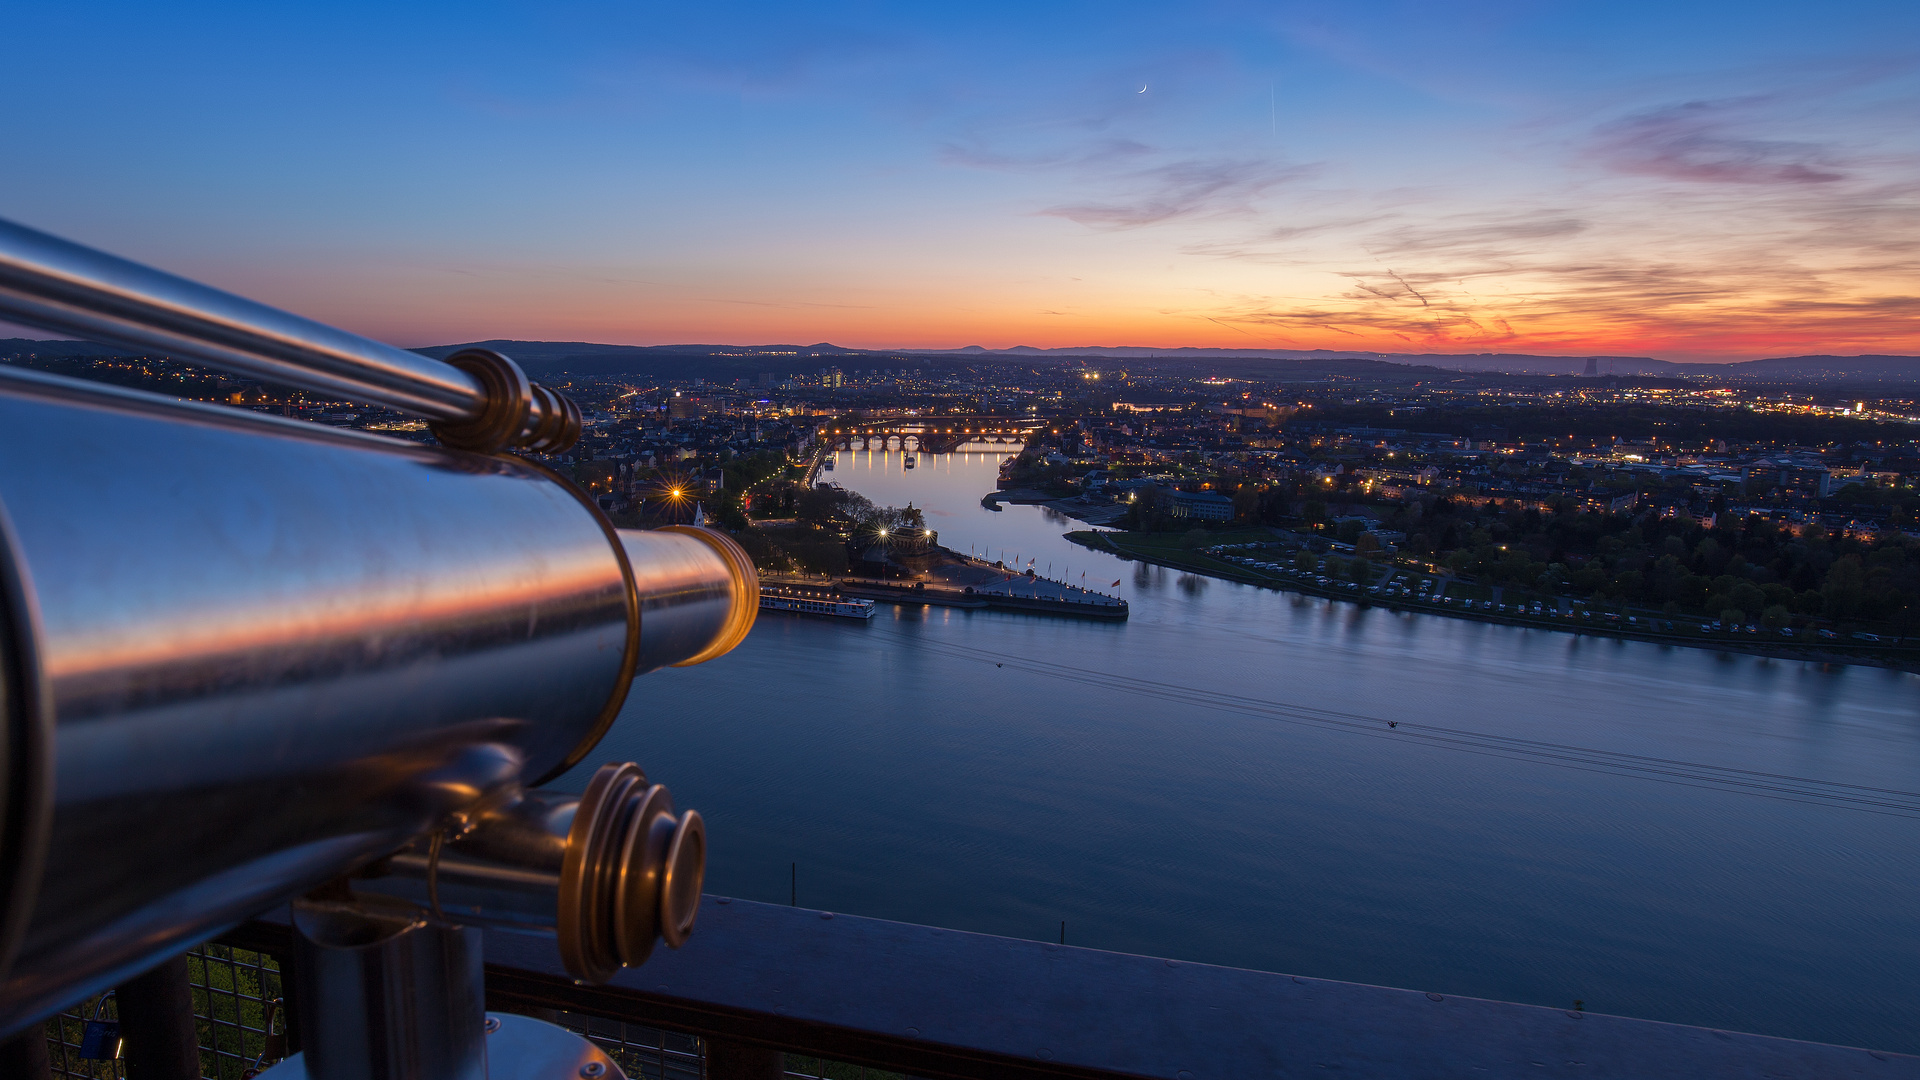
[{"x": 929, "y": 434}]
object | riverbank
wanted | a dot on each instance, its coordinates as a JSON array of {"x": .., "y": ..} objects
[
  {"x": 1078, "y": 507},
  {"x": 1128, "y": 546}
]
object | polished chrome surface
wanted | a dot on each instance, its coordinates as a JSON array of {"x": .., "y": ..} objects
[
  {"x": 699, "y": 594},
  {"x": 273, "y": 651},
  {"x": 522, "y": 1048},
  {"x": 518, "y": 1048},
  {"x": 58, "y": 285},
  {"x": 609, "y": 872},
  {"x": 26, "y": 749},
  {"x": 385, "y": 993},
  {"x": 503, "y": 871}
]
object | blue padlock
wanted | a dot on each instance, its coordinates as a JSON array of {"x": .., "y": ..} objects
[{"x": 101, "y": 1041}]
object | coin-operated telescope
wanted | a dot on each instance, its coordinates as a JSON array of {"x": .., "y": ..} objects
[{"x": 246, "y": 660}]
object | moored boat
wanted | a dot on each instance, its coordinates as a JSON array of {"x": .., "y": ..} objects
[{"x": 803, "y": 601}]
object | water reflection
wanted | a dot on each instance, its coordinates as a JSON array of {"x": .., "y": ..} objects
[{"x": 999, "y": 772}]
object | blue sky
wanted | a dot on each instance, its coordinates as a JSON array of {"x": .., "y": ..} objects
[{"x": 1692, "y": 181}]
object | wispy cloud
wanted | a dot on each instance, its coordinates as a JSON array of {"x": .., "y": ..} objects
[
  {"x": 1699, "y": 141},
  {"x": 1479, "y": 235},
  {"x": 1183, "y": 189}
]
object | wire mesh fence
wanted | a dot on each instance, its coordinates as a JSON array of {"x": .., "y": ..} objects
[
  {"x": 238, "y": 1004},
  {"x": 641, "y": 1052},
  {"x": 237, "y": 999}
]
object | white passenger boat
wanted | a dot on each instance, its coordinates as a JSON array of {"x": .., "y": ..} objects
[{"x": 816, "y": 605}]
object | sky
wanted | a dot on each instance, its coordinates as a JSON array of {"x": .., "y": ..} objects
[{"x": 1685, "y": 180}]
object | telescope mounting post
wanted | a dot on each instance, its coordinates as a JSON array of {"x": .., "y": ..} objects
[{"x": 386, "y": 991}]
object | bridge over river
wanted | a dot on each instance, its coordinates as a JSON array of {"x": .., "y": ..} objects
[{"x": 929, "y": 434}]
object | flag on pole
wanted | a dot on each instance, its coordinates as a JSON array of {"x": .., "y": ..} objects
[{"x": 1116, "y": 583}]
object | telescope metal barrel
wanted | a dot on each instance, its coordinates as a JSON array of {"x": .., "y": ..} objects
[
  {"x": 697, "y": 600},
  {"x": 241, "y": 655},
  {"x": 61, "y": 286}
]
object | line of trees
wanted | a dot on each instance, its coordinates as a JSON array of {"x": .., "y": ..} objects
[{"x": 1752, "y": 568}]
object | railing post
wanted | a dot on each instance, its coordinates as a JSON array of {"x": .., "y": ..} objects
[
  {"x": 25, "y": 1055},
  {"x": 156, "y": 1019},
  {"x": 727, "y": 1060}
]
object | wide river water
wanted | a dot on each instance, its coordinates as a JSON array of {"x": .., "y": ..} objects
[{"x": 1656, "y": 832}]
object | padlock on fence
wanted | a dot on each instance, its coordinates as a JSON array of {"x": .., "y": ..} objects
[
  {"x": 275, "y": 1043},
  {"x": 100, "y": 1040}
]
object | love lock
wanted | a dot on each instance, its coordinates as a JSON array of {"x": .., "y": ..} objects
[
  {"x": 274, "y": 1043},
  {"x": 101, "y": 1041}
]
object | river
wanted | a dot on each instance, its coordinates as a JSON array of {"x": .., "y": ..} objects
[{"x": 1654, "y": 831}]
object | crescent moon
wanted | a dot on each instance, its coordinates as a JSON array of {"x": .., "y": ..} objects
[{"x": 1142, "y": 90}]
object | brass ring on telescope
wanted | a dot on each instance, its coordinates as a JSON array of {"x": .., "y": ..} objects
[
  {"x": 518, "y": 414},
  {"x": 635, "y": 883},
  {"x": 631, "y": 874},
  {"x": 509, "y": 400},
  {"x": 594, "y": 843},
  {"x": 685, "y": 872},
  {"x": 630, "y": 658}
]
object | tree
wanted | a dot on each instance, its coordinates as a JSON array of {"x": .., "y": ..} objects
[
  {"x": 1845, "y": 587},
  {"x": 830, "y": 506}
]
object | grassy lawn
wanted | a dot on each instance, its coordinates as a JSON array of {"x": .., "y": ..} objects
[
  {"x": 1178, "y": 540},
  {"x": 1171, "y": 553}
]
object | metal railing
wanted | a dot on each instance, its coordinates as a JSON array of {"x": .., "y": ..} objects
[
  {"x": 850, "y": 998},
  {"x": 238, "y": 993}
]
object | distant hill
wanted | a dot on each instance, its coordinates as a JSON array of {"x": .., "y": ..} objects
[
  {"x": 14, "y": 348},
  {"x": 724, "y": 362},
  {"x": 1836, "y": 370},
  {"x": 727, "y": 362},
  {"x": 1509, "y": 363},
  {"x": 720, "y": 363},
  {"x": 1847, "y": 370}
]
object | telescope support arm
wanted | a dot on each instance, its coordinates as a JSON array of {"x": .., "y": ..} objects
[{"x": 608, "y": 873}]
